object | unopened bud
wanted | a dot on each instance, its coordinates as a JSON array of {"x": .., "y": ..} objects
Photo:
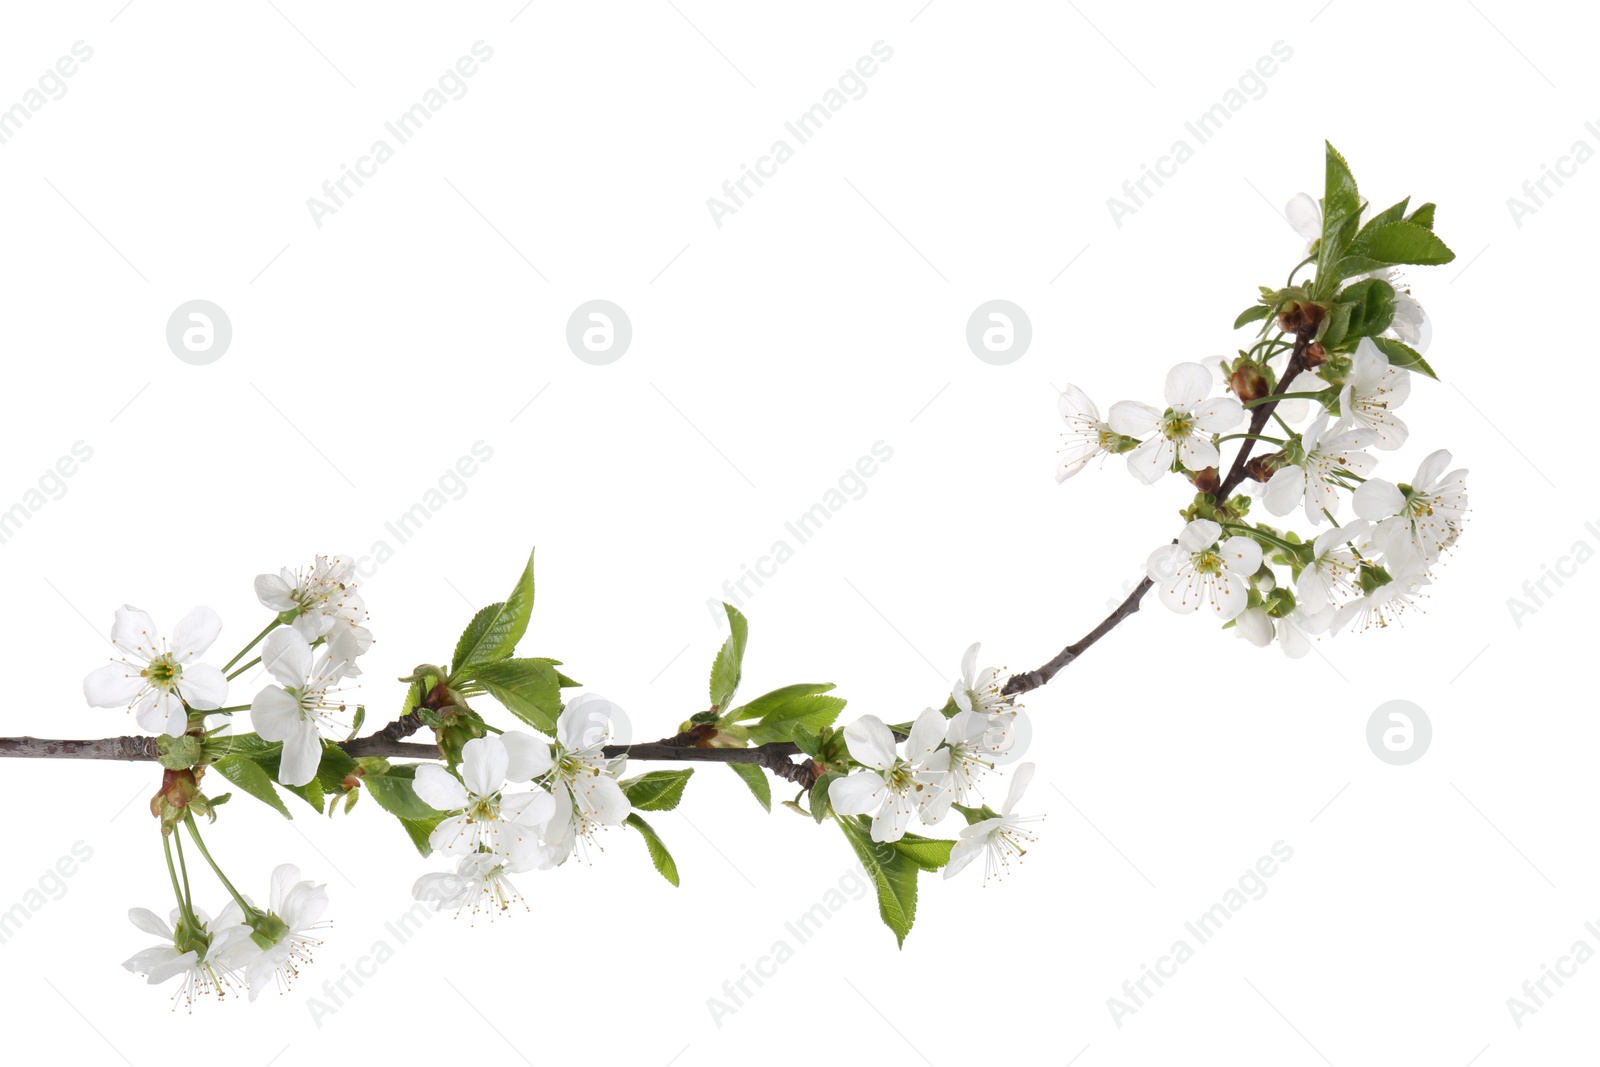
[
  {"x": 1314, "y": 355},
  {"x": 1247, "y": 382},
  {"x": 1260, "y": 468},
  {"x": 1301, "y": 318},
  {"x": 1208, "y": 480}
]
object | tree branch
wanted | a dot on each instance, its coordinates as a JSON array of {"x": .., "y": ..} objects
[
  {"x": 776, "y": 757},
  {"x": 1030, "y": 680},
  {"x": 1260, "y": 415}
]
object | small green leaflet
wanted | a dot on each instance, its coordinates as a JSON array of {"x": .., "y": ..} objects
[
  {"x": 659, "y": 855},
  {"x": 419, "y": 830},
  {"x": 781, "y": 711},
  {"x": 1253, "y": 313},
  {"x": 529, "y": 688},
  {"x": 248, "y": 775},
  {"x": 819, "y": 795},
  {"x": 658, "y": 790},
  {"x": 1402, "y": 242},
  {"x": 1403, "y": 355},
  {"x": 756, "y": 779},
  {"x": 929, "y": 853},
  {"x": 396, "y": 793},
  {"x": 892, "y": 872},
  {"x": 494, "y": 632},
  {"x": 726, "y": 668}
]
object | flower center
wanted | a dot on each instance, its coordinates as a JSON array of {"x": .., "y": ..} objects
[
  {"x": 162, "y": 672},
  {"x": 1208, "y": 562},
  {"x": 1177, "y": 425}
]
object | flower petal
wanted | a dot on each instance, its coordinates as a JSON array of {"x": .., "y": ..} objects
[
  {"x": 439, "y": 789},
  {"x": 302, "y": 752},
  {"x": 287, "y": 655},
  {"x": 203, "y": 686},
  {"x": 274, "y": 714},
  {"x": 1187, "y": 385},
  {"x": 134, "y": 633},
  {"x": 195, "y": 633},
  {"x": 857, "y": 794},
  {"x": 1377, "y": 499},
  {"x": 871, "y": 743},
  {"x": 483, "y": 765},
  {"x": 528, "y": 755},
  {"x": 1020, "y": 777},
  {"x": 113, "y": 686},
  {"x": 1133, "y": 418}
]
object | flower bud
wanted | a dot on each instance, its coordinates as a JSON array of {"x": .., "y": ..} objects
[
  {"x": 1247, "y": 381},
  {"x": 1301, "y": 318},
  {"x": 1260, "y": 468},
  {"x": 1207, "y": 480},
  {"x": 1314, "y": 355}
]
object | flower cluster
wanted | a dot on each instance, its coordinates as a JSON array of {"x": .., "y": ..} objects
[
  {"x": 491, "y": 833},
  {"x": 245, "y": 949},
  {"x": 1347, "y": 355},
  {"x": 945, "y": 756}
]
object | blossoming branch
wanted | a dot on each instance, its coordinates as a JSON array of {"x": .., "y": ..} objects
[{"x": 1316, "y": 392}]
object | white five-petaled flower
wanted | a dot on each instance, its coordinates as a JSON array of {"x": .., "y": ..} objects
[
  {"x": 1416, "y": 522},
  {"x": 1087, "y": 434},
  {"x": 1371, "y": 392},
  {"x": 966, "y": 757},
  {"x": 981, "y": 692},
  {"x": 1330, "y": 578},
  {"x": 481, "y": 880},
  {"x": 1183, "y": 431},
  {"x": 156, "y": 678},
  {"x": 1198, "y": 570},
  {"x": 207, "y": 960},
  {"x": 294, "y": 710},
  {"x": 484, "y": 818},
  {"x": 998, "y": 839},
  {"x": 322, "y": 595},
  {"x": 892, "y": 786},
  {"x": 274, "y": 952},
  {"x": 583, "y": 778},
  {"x": 1293, "y": 631},
  {"x": 1384, "y": 605},
  {"x": 1310, "y": 483}
]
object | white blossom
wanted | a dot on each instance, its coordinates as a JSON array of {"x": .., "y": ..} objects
[
  {"x": 155, "y": 678},
  {"x": 998, "y": 839},
  {"x": 1183, "y": 431},
  {"x": 1197, "y": 570}
]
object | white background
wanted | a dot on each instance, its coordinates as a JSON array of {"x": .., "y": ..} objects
[{"x": 827, "y": 314}]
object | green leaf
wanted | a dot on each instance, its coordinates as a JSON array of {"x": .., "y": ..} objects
[
  {"x": 1403, "y": 355},
  {"x": 1392, "y": 213},
  {"x": 659, "y": 855},
  {"x": 248, "y": 775},
  {"x": 494, "y": 632},
  {"x": 529, "y": 688},
  {"x": 892, "y": 872},
  {"x": 1335, "y": 325},
  {"x": 311, "y": 793},
  {"x": 726, "y": 668},
  {"x": 658, "y": 790},
  {"x": 1340, "y": 197},
  {"x": 267, "y": 755},
  {"x": 1253, "y": 313},
  {"x": 419, "y": 830},
  {"x": 1402, "y": 242},
  {"x": 1373, "y": 310},
  {"x": 808, "y": 742},
  {"x": 1350, "y": 266},
  {"x": 756, "y": 779},
  {"x": 929, "y": 853},
  {"x": 1423, "y": 216},
  {"x": 820, "y": 805},
  {"x": 396, "y": 794},
  {"x": 781, "y": 711}
]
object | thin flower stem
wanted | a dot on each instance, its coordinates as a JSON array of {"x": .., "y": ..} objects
[
  {"x": 185, "y": 908},
  {"x": 1273, "y": 399},
  {"x": 1251, "y": 437},
  {"x": 1286, "y": 427},
  {"x": 273, "y": 625},
  {"x": 246, "y": 667},
  {"x": 194, "y": 832},
  {"x": 227, "y": 711},
  {"x": 1251, "y": 531}
]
